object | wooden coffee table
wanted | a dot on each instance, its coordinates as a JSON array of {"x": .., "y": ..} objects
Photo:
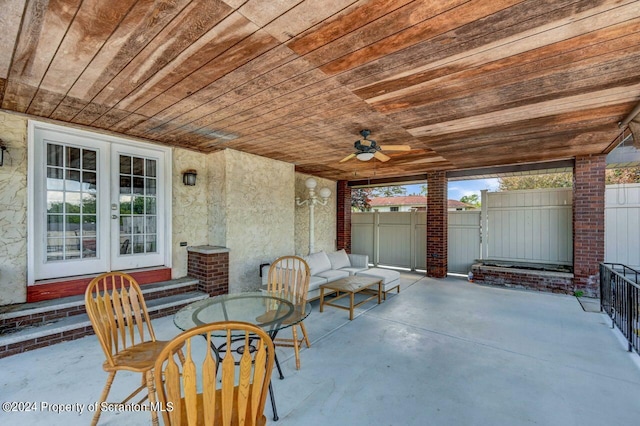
[{"x": 349, "y": 286}]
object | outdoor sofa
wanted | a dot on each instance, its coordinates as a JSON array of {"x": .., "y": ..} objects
[{"x": 332, "y": 266}]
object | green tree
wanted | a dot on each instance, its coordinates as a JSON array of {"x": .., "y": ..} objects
[
  {"x": 550, "y": 180},
  {"x": 423, "y": 190},
  {"x": 388, "y": 191},
  {"x": 565, "y": 180},
  {"x": 360, "y": 198},
  {"x": 624, "y": 175},
  {"x": 472, "y": 199}
]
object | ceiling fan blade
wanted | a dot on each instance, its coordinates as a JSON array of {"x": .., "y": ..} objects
[
  {"x": 380, "y": 156},
  {"x": 395, "y": 147},
  {"x": 365, "y": 142},
  {"x": 347, "y": 158}
]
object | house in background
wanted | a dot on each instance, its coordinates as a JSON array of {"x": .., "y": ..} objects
[{"x": 411, "y": 203}]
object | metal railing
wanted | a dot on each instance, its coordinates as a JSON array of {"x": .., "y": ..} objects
[{"x": 620, "y": 299}]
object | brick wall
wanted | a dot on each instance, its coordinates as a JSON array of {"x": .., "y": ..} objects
[
  {"x": 554, "y": 282},
  {"x": 210, "y": 265},
  {"x": 343, "y": 220},
  {"x": 588, "y": 222},
  {"x": 437, "y": 225}
]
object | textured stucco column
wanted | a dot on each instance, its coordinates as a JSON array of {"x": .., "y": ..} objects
[
  {"x": 343, "y": 213},
  {"x": 437, "y": 225},
  {"x": 588, "y": 222}
]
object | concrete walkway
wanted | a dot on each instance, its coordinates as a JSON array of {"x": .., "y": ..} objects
[{"x": 442, "y": 352}]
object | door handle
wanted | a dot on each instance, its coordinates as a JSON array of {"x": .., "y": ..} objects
[{"x": 114, "y": 216}]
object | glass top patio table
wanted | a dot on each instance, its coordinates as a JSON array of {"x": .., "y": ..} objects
[{"x": 263, "y": 309}]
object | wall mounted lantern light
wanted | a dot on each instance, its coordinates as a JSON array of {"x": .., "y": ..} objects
[
  {"x": 313, "y": 199},
  {"x": 189, "y": 177}
]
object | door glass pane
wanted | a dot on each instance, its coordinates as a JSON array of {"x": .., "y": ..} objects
[
  {"x": 125, "y": 165},
  {"x": 72, "y": 159},
  {"x": 125, "y": 184},
  {"x": 55, "y": 155},
  {"x": 138, "y": 166},
  {"x": 71, "y": 203},
  {"x": 151, "y": 168},
  {"x": 55, "y": 178},
  {"x": 89, "y": 159},
  {"x": 138, "y": 185},
  {"x": 151, "y": 186},
  {"x": 89, "y": 182},
  {"x": 138, "y": 211}
]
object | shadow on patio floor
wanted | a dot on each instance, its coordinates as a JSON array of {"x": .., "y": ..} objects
[{"x": 442, "y": 352}]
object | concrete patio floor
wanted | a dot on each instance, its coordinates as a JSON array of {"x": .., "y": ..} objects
[{"x": 442, "y": 352}]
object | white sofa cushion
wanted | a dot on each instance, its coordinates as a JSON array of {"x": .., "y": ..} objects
[
  {"x": 386, "y": 275},
  {"x": 332, "y": 274},
  {"x": 315, "y": 282},
  {"x": 353, "y": 270},
  {"x": 339, "y": 259},
  {"x": 318, "y": 262}
]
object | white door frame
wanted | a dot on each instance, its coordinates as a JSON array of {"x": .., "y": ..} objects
[{"x": 75, "y": 134}]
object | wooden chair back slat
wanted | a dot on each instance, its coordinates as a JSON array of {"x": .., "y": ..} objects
[
  {"x": 118, "y": 313},
  {"x": 244, "y": 382},
  {"x": 230, "y": 391},
  {"x": 209, "y": 374},
  {"x": 172, "y": 389},
  {"x": 228, "y": 382},
  {"x": 189, "y": 380},
  {"x": 260, "y": 375},
  {"x": 289, "y": 277}
]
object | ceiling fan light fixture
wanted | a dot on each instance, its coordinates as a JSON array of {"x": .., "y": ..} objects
[{"x": 364, "y": 156}]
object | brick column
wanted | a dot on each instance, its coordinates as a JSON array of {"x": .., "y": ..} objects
[
  {"x": 437, "y": 224},
  {"x": 210, "y": 265},
  {"x": 343, "y": 213},
  {"x": 588, "y": 222}
]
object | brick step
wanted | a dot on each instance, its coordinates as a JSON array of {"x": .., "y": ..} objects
[
  {"x": 16, "y": 317},
  {"x": 77, "y": 326}
]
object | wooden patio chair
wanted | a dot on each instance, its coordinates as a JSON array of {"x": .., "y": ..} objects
[
  {"x": 289, "y": 278},
  {"x": 119, "y": 316},
  {"x": 192, "y": 393}
]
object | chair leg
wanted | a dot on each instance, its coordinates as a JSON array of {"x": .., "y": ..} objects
[
  {"x": 296, "y": 348},
  {"x": 304, "y": 334},
  {"x": 103, "y": 397},
  {"x": 152, "y": 397}
]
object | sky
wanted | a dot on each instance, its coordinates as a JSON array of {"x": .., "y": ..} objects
[{"x": 458, "y": 189}]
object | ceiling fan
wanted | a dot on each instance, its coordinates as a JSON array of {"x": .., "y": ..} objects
[{"x": 366, "y": 149}]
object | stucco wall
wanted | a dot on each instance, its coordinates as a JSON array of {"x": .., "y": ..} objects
[
  {"x": 189, "y": 208},
  {"x": 217, "y": 198},
  {"x": 325, "y": 218},
  {"x": 13, "y": 210},
  {"x": 258, "y": 214},
  {"x": 241, "y": 201}
]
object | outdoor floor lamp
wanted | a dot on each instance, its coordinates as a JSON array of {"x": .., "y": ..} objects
[{"x": 313, "y": 199}]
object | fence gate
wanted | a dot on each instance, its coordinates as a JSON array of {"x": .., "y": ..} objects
[
  {"x": 464, "y": 240},
  {"x": 622, "y": 224},
  {"x": 400, "y": 238}
]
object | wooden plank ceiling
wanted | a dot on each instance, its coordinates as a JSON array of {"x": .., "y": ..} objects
[{"x": 466, "y": 83}]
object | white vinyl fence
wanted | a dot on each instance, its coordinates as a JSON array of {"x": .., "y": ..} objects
[
  {"x": 400, "y": 238},
  {"x": 532, "y": 226},
  {"x": 622, "y": 224},
  {"x": 528, "y": 226}
]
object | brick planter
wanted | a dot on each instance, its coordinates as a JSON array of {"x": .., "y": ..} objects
[
  {"x": 549, "y": 281},
  {"x": 210, "y": 265}
]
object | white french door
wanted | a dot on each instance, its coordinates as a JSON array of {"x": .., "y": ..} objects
[
  {"x": 136, "y": 219},
  {"x": 98, "y": 204}
]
